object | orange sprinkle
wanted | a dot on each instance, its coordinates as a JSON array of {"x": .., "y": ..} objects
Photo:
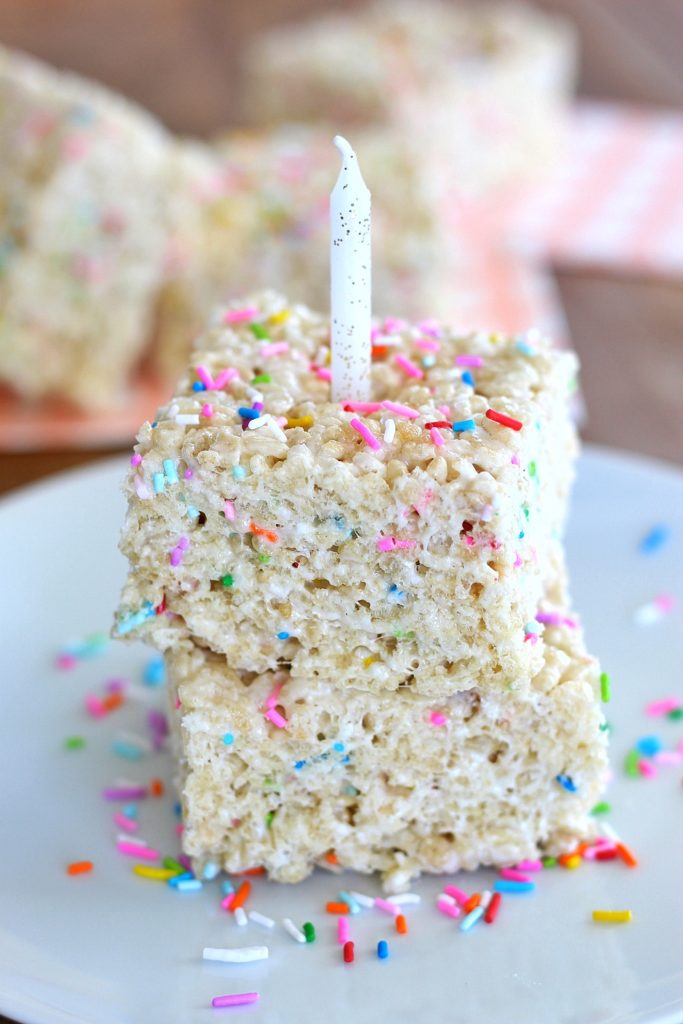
[
  {"x": 473, "y": 901},
  {"x": 627, "y": 856},
  {"x": 337, "y": 908},
  {"x": 253, "y": 872},
  {"x": 112, "y": 701},
  {"x": 401, "y": 924},
  {"x": 156, "y": 787},
  {"x": 240, "y": 897},
  {"x": 260, "y": 531},
  {"x": 331, "y": 857},
  {"x": 379, "y": 351},
  {"x": 80, "y": 867}
]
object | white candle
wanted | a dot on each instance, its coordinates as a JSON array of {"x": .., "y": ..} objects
[{"x": 350, "y": 274}]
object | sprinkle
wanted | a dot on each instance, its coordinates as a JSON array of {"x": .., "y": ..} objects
[
  {"x": 492, "y": 909},
  {"x": 408, "y": 366},
  {"x": 205, "y": 377},
  {"x": 427, "y": 344},
  {"x": 276, "y": 718},
  {"x": 229, "y": 510},
  {"x": 158, "y": 482},
  {"x": 655, "y": 539},
  {"x": 386, "y": 906},
  {"x": 74, "y": 743},
  {"x": 239, "y": 898},
  {"x": 668, "y": 757},
  {"x": 401, "y": 924},
  {"x": 353, "y": 905},
  {"x": 486, "y": 898},
  {"x": 525, "y": 348},
  {"x": 240, "y": 999},
  {"x": 465, "y": 360},
  {"x": 300, "y": 421},
  {"x": 566, "y": 782},
  {"x": 437, "y": 718},
  {"x": 186, "y": 884},
  {"x": 322, "y": 372},
  {"x": 364, "y": 407},
  {"x": 348, "y": 952},
  {"x": 612, "y": 916},
  {"x": 292, "y": 929},
  {"x": 173, "y": 865},
  {"x": 240, "y": 917},
  {"x": 79, "y": 867},
  {"x": 382, "y": 949},
  {"x": 260, "y": 531},
  {"x": 461, "y": 425},
  {"x": 445, "y": 906},
  {"x": 405, "y": 898},
  {"x": 457, "y": 894},
  {"x": 513, "y": 875},
  {"x": 124, "y": 792},
  {"x": 125, "y": 823},
  {"x": 401, "y": 410},
  {"x": 438, "y": 423},
  {"x": 156, "y": 874},
  {"x": 281, "y": 317},
  {"x": 224, "y": 377},
  {"x": 309, "y": 931},
  {"x": 654, "y": 610},
  {"x": 471, "y": 919},
  {"x": 467, "y": 378},
  {"x": 259, "y": 331},
  {"x": 389, "y": 431},
  {"x": 529, "y": 865},
  {"x": 648, "y": 746},
  {"x": 132, "y": 849},
  {"x": 257, "y": 918},
  {"x": 198, "y": 386},
  {"x": 631, "y": 764},
  {"x": 238, "y": 316},
  {"x": 663, "y": 707},
  {"x": 627, "y": 855},
  {"x": 394, "y": 544},
  {"x": 601, "y": 808},
  {"x": 342, "y": 930},
  {"x": 365, "y": 901},
  {"x": 235, "y": 955},
  {"x": 277, "y": 348},
  {"x": 337, "y": 908},
  {"x": 366, "y": 434},
  {"x": 473, "y": 901},
  {"x": 503, "y": 885},
  {"x": 505, "y": 421},
  {"x": 245, "y": 413},
  {"x": 436, "y": 437}
]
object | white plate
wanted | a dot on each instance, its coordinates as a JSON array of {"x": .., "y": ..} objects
[{"x": 111, "y": 948}]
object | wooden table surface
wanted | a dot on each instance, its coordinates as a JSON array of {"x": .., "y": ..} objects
[{"x": 181, "y": 59}]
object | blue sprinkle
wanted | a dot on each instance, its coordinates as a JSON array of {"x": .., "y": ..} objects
[
  {"x": 154, "y": 425},
  {"x": 299, "y": 765},
  {"x": 192, "y": 512},
  {"x": 353, "y": 905},
  {"x": 170, "y": 471},
  {"x": 187, "y": 884},
  {"x": 158, "y": 482},
  {"x": 338, "y": 746},
  {"x": 155, "y": 672},
  {"x": 566, "y": 782},
  {"x": 345, "y": 760},
  {"x": 507, "y": 885},
  {"x": 178, "y": 880},
  {"x": 428, "y": 361},
  {"x": 471, "y": 918},
  {"x": 655, "y": 539},
  {"x": 525, "y": 348},
  {"x": 382, "y": 949},
  {"x": 464, "y": 425},
  {"x": 467, "y": 378},
  {"x": 533, "y": 627},
  {"x": 239, "y": 472},
  {"x": 130, "y": 810},
  {"x": 283, "y": 635},
  {"x": 648, "y": 746},
  {"x": 177, "y": 810},
  {"x": 228, "y": 739},
  {"x": 199, "y": 386},
  {"x": 521, "y": 534},
  {"x": 227, "y": 888},
  {"x": 248, "y": 414},
  {"x": 211, "y": 869},
  {"x": 135, "y": 619},
  {"x": 126, "y": 750}
]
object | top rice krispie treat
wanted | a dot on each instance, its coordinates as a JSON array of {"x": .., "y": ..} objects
[{"x": 409, "y": 542}]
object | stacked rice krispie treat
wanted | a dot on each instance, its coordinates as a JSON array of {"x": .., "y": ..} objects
[
  {"x": 82, "y": 233},
  {"x": 364, "y": 609}
]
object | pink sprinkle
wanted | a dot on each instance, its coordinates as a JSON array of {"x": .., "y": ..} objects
[
  {"x": 515, "y": 460},
  {"x": 228, "y": 510},
  {"x": 514, "y": 875},
  {"x": 342, "y": 929},
  {"x": 124, "y": 792},
  {"x": 141, "y": 488},
  {"x": 530, "y": 865},
  {"x": 374, "y": 333},
  {"x": 430, "y": 327},
  {"x": 428, "y": 344},
  {"x": 437, "y": 718},
  {"x": 226, "y": 902},
  {"x": 136, "y": 459},
  {"x": 646, "y": 769},
  {"x": 436, "y": 437},
  {"x": 274, "y": 695},
  {"x": 518, "y": 560},
  {"x": 469, "y": 360},
  {"x": 549, "y": 618},
  {"x": 663, "y": 707},
  {"x": 188, "y": 474},
  {"x": 133, "y": 850},
  {"x": 179, "y": 829},
  {"x": 366, "y": 434},
  {"x": 408, "y": 366},
  {"x": 205, "y": 377},
  {"x": 276, "y": 718},
  {"x": 224, "y": 377},
  {"x": 127, "y": 824},
  {"x": 240, "y": 316},
  {"x": 183, "y": 859},
  {"x": 531, "y": 638},
  {"x": 447, "y": 908},
  {"x": 207, "y": 410},
  {"x": 394, "y": 544},
  {"x": 401, "y": 410},
  {"x": 668, "y": 757},
  {"x": 94, "y": 706},
  {"x": 387, "y": 907},
  {"x": 665, "y": 603},
  {"x": 444, "y": 409},
  {"x": 322, "y": 372},
  {"x": 392, "y": 324},
  {"x": 277, "y": 348},
  {"x": 458, "y": 894},
  {"x": 236, "y": 999},
  {"x": 65, "y": 661},
  {"x": 362, "y": 406}
]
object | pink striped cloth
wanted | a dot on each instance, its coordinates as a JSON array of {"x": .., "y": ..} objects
[{"x": 616, "y": 199}]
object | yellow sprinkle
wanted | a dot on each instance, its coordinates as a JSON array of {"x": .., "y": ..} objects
[
  {"x": 300, "y": 421},
  {"x": 572, "y": 862},
  {"x": 613, "y": 916},
  {"x": 160, "y": 874},
  {"x": 370, "y": 660},
  {"x": 281, "y": 317}
]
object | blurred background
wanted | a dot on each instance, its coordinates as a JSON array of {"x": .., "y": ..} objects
[{"x": 621, "y": 308}]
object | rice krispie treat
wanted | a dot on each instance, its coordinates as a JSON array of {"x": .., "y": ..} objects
[
  {"x": 478, "y": 92},
  {"x": 361, "y": 591},
  {"x": 82, "y": 232}
]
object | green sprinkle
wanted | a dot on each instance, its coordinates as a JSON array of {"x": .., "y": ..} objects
[
  {"x": 602, "y": 808},
  {"x": 605, "y": 687},
  {"x": 525, "y": 510},
  {"x": 532, "y": 469},
  {"x": 269, "y": 821},
  {"x": 631, "y": 764},
  {"x": 309, "y": 932},
  {"x": 259, "y": 331},
  {"x": 549, "y": 862},
  {"x": 227, "y": 580},
  {"x": 605, "y": 727},
  {"x": 264, "y": 559},
  {"x": 675, "y": 715},
  {"x": 74, "y": 743},
  {"x": 173, "y": 865},
  {"x": 262, "y": 378}
]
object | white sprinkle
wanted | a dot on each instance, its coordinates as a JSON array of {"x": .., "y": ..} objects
[
  {"x": 259, "y": 421},
  {"x": 389, "y": 431},
  {"x": 607, "y": 830},
  {"x": 266, "y": 922},
  {"x": 240, "y": 916},
  {"x": 239, "y": 955},
  {"x": 292, "y": 929},
  {"x": 187, "y": 419},
  {"x": 359, "y": 897},
  {"x": 405, "y": 898},
  {"x": 444, "y": 897},
  {"x": 486, "y": 897},
  {"x": 133, "y": 840}
]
